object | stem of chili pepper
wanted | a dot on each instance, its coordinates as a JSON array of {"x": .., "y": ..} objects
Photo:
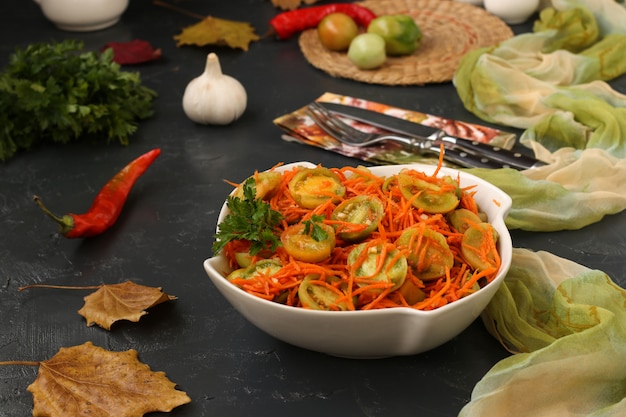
[
  {"x": 286, "y": 24},
  {"x": 107, "y": 205}
]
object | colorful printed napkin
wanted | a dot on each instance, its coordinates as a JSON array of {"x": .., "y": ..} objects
[{"x": 299, "y": 127}]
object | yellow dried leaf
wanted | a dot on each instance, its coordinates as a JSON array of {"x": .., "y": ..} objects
[
  {"x": 88, "y": 380},
  {"x": 221, "y": 32},
  {"x": 291, "y": 4},
  {"x": 125, "y": 301}
]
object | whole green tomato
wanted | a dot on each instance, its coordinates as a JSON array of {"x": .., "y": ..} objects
[
  {"x": 367, "y": 51},
  {"x": 336, "y": 31},
  {"x": 401, "y": 34}
]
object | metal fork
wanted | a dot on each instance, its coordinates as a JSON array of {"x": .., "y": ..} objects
[{"x": 349, "y": 135}]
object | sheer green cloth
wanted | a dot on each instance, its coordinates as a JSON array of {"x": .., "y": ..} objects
[
  {"x": 560, "y": 97},
  {"x": 577, "y": 189},
  {"x": 565, "y": 323}
]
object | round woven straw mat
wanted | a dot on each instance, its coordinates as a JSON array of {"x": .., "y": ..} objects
[{"x": 450, "y": 29}]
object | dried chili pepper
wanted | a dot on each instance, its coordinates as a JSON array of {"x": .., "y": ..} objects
[
  {"x": 291, "y": 22},
  {"x": 107, "y": 205}
]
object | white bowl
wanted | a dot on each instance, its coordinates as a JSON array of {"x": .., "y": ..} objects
[
  {"x": 83, "y": 15},
  {"x": 374, "y": 333}
]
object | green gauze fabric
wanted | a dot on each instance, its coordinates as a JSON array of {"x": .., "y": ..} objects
[
  {"x": 579, "y": 188},
  {"x": 565, "y": 323},
  {"x": 573, "y": 341},
  {"x": 567, "y": 110},
  {"x": 517, "y": 84}
]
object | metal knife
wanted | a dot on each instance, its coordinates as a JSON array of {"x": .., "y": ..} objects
[{"x": 413, "y": 129}]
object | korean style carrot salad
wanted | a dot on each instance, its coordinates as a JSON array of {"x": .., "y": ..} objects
[{"x": 346, "y": 239}]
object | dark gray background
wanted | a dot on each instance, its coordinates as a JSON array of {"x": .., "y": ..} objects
[{"x": 227, "y": 366}]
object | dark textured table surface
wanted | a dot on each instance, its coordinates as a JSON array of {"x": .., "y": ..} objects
[{"x": 227, "y": 366}]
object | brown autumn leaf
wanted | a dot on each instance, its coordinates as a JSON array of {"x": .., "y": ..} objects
[
  {"x": 125, "y": 301},
  {"x": 221, "y": 32},
  {"x": 88, "y": 380},
  {"x": 291, "y": 4}
]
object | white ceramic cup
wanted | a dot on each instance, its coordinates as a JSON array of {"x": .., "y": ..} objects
[{"x": 512, "y": 11}]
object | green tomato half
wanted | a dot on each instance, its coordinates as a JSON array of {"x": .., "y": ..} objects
[
  {"x": 428, "y": 252},
  {"x": 364, "y": 265},
  {"x": 304, "y": 247},
  {"x": 311, "y": 187},
  {"x": 263, "y": 267},
  {"x": 462, "y": 219},
  {"x": 315, "y": 296},
  {"x": 440, "y": 197},
  {"x": 401, "y": 34},
  {"x": 478, "y": 246},
  {"x": 265, "y": 184},
  {"x": 363, "y": 211}
]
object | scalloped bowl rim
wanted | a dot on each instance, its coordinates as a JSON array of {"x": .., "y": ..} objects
[{"x": 250, "y": 305}]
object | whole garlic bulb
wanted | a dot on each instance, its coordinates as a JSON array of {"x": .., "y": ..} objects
[{"x": 213, "y": 97}]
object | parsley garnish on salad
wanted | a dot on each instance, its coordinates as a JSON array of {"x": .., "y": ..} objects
[
  {"x": 312, "y": 228},
  {"x": 249, "y": 219}
]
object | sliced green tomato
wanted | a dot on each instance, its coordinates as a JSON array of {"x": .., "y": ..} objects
[
  {"x": 393, "y": 274},
  {"x": 304, "y": 247},
  {"x": 265, "y": 184},
  {"x": 267, "y": 267},
  {"x": 428, "y": 252},
  {"x": 243, "y": 259},
  {"x": 316, "y": 296},
  {"x": 461, "y": 219},
  {"x": 432, "y": 198},
  {"x": 478, "y": 246},
  {"x": 311, "y": 187},
  {"x": 454, "y": 184},
  {"x": 411, "y": 292},
  {"x": 237, "y": 274},
  {"x": 366, "y": 171},
  {"x": 390, "y": 182},
  {"x": 359, "y": 211}
]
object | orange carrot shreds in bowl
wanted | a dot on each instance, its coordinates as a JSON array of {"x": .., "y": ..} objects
[
  {"x": 361, "y": 262},
  {"x": 356, "y": 237}
]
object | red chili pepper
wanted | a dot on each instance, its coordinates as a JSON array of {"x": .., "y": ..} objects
[
  {"x": 107, "y": 205},
  {"x": 288, "y": 23}
]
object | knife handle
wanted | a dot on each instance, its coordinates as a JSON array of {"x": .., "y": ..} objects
[
  {"x": 507, "y": 158},
  {"x": 468, "y": 160}
]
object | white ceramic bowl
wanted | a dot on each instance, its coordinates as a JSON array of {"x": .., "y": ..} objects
[
  {"x": 83, "y": 15},
  {"x": 374, "y": 333}
]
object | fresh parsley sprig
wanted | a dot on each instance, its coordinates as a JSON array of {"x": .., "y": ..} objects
[
  {"x": 249, "y": 219},
  {"x": 312, "y": 228},
  {"x": 56, "y": 92}
]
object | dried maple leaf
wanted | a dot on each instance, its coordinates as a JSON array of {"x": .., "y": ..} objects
[
  {"x": 215, "y": 31},
  {"x": 88, "y": 380},
  {"x": 291, "y": 4},
  {"x": 125, "y": 301},
  {"x": 134, "y": 52},
  {"x": 110, "y": 303}
]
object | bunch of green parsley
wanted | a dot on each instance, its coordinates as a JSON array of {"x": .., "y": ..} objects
[{"x": 59, "y": 93}]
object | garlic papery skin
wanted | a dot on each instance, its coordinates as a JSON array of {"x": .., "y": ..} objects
[{"x": 213, "y": 97}]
